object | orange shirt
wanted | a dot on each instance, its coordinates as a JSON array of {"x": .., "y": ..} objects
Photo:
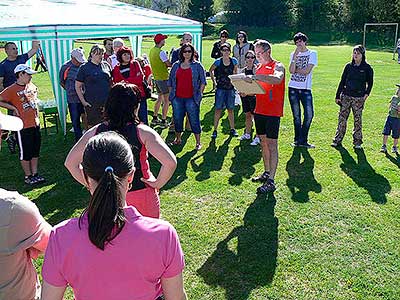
[
  {"x": 270, "y": 103},
  {"x": 24, "y": 98}
]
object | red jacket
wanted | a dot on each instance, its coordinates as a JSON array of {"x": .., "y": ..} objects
[{"x": 135, "y": 76}]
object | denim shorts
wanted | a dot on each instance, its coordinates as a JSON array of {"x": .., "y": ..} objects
[
  {"x": 224, "y": 99},
  {"x": 392, "y": 124},
  {"x": 162, "y": 87}
]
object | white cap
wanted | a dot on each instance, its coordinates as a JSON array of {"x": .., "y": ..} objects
[
  {"x": 10, "y": 122},
  {"x": 24, "y": 68},
  {"x": 78, "y": 54}
]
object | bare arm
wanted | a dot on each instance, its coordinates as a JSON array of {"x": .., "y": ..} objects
[
  {"x": 50, "y": 292},
  {"x": 305, "y": 71},
  {"x": 168, "y": 63},
  {"x": 78, "y": 89},
  {"x": 1, "y": 83},
  {"x": 212, "y": 68},
  {"x": 157, "y": 147},
  {"x": 275, "y": 78},
  {"x": 35, "y": 47},
  {"x": 75, "y": 155},
  {"x": 9, "y": 106},
  {"x": 173, "y": 288}
]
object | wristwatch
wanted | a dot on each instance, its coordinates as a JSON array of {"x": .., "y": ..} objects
[{"x": 253, "y": 77}]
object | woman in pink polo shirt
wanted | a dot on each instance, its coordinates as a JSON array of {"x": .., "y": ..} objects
[{"x": 111, "y": 251}]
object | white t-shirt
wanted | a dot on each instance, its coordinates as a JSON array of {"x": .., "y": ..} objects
[
  {"x": 163, "y": 56},
  {"x": 114, "y": 60},
  {"x": 301, "y": 81}
]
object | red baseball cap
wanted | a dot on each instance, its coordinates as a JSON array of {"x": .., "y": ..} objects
[{"x": 159, "y": 37}]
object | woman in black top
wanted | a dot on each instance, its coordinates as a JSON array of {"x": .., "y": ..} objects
[{"x": 354, "y": 88}]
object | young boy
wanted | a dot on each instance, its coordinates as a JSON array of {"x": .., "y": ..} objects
[
  {"x": 21, "y": 98},
  {"x": 392, "y": 122}
]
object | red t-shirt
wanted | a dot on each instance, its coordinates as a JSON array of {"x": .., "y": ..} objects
[
  {"x": 24, "y": 98},
  {"x": 184, "y": 85},
  {"x": 147, "y": 71},
  {"x": 270, "y": 103}
]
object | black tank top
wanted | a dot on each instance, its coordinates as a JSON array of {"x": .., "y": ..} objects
[{"x": 139, "y": 151}]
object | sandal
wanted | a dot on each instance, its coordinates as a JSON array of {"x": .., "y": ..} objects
[
  {"x": 267, "y": 187},
  {"x": 261, "y": 178},
  {"x": 175, "y": 143}
]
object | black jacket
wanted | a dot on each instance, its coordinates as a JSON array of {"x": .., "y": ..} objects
[{"x": 356, "y": 81}]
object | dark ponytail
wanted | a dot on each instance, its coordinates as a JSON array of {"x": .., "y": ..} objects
[{"x": 108, "y": 160}]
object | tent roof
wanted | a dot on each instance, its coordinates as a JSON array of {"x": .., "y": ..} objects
[{"x": 76, "y": 19}]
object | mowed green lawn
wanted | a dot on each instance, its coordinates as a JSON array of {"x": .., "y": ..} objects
[{"x": 330, "y": 231}]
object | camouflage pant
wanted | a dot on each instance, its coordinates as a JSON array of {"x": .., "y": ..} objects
[{"x": 356, "y": 104}]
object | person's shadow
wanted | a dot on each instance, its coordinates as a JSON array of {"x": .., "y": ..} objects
[
  {"x": 301, "y": 179},
  {"x": 394, "y": 160},
  {"x": 243, "y": 162},
  {"x": 364, "y": 175},
  {"x": 180, "y": 175},
  {"x": 213, "y": 159},
  {"x": 252, "y": 263}
]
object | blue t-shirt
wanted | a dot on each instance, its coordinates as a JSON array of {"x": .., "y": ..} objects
[
  {"x": 67, "y": 75},
  {"x": 7, "y": 69},
  {"x": 96, "y": 80}
]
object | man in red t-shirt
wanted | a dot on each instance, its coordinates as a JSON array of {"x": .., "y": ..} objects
[
  {"x": 21, "y": 98},
  {"x": 270, "y": 75}
]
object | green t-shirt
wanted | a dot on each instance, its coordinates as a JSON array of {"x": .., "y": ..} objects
[
  {"x": 158, "y": 67},
  {"x": 394, "y": 104}
]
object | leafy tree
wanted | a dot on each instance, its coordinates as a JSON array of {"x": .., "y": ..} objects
[{"x": 200, "y": 10}]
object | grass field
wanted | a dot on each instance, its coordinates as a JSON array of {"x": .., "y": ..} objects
[{"x": 330, "y": 231}]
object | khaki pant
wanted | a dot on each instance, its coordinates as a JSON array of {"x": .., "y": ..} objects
[{"x": 356, "y": 104}]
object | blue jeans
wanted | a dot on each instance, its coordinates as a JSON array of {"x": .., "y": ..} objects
[
  {"x": 142, "y": 113},
  {"x": 305, "y": 97},
  {"x": 75, "y": 111},
  {"x": 180, "y": 107}
]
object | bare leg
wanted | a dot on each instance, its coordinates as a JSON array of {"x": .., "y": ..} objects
[
  {"x": 395, "y": 142},
  {"x": 385, "y": 138},
  {"x": 265, "y": 152},
  {"x": 34, "y": 165},
  {"x": 165, "y": 106},
  {"x": 26, "y": 166},
  {"x": 273, "y": 156},
  {"x": 197, "y": 137},
  {"x": 231, "y": 118},
  {"x": 178, "y": 137},
  {"x": 249, "y": 122},
  {"x": 157, "y": 105},
  {"x": 217, "y": 116}
]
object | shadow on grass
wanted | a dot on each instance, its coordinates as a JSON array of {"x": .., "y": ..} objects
[
  {"x": 246, "y": 258},
  {"x": 245, "y": 157},
  {"x": 362, "y": 173},
  {"x": 180, "y": 172},
  {"x": 213, "y": 159},
  {"x": 301, "y": 179},
  {"x": 394, "y": 160}
]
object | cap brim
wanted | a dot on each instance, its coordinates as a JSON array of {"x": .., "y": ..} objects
[
  {"x": 30, "y": 71},
  {"x": 10, "y": 123},
  {"x": 398, "y": 85}
]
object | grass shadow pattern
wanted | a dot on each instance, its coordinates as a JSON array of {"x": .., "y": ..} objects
[
  {"x": 252, "y": 262},
  {"x": 301, "y": 178}
]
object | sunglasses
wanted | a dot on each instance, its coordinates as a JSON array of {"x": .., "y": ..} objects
[
  {"x": 225, "y": 50},
  {"x": 240, "y": 36},
  {"x": 250, "y": 57},
  {"x": 187, "y": 51}
]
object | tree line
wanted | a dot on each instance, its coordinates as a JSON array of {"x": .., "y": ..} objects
[{"x": 309, "y": 15}]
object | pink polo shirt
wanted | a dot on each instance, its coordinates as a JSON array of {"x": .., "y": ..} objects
[{"x": 130, "y": 267}]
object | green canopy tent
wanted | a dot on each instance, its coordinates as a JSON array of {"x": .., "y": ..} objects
[{"x": 57, "y": 23}]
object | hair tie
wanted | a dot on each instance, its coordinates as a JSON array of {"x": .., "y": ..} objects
[{"x": 109, "y": 169}]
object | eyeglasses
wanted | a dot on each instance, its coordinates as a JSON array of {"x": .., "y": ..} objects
[
  {"x": 225, "y": 50},
  {"x": 187, "y": 51},
  {"x": 250, "y": 57}
]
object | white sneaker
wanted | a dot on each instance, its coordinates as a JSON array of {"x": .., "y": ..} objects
[
  {"x": 256, "y": 141},
  {"x": 72, "y": 130},
  {"x": 245, "y": 136}
]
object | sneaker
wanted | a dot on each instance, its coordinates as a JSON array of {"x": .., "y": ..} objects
[
  {"x": 155, "y": 121},
  {"x": 255, "y": 142},
  {"x": 245, "y": 136},
  {"x": 357, "y": 147},
  {"x": 233, "y": 132},
  {"x": 164, "y": 123},
  {"x": 72, "y": 130},
  {"x": 261, "y": 178},
  {"x": 335, "y": 144},
  {"x": 267, "y": 187},
  {"x": 38, "y": 178},
  {"x": 12, "y": 143},
  {"x": 295, "y": 144},
  {"x": 395, "y": 149},
  {"x": 214, "y": 134},
  {"x": 28, "y": 180},
  {"x": 383, "y": 149},
  {"x": 198, "y": 147},
  {"x": 307, "y": 145}
]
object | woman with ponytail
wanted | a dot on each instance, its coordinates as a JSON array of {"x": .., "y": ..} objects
[
  {"x": 121, "y": 116},
  {"x": 112, "y": 251}
]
